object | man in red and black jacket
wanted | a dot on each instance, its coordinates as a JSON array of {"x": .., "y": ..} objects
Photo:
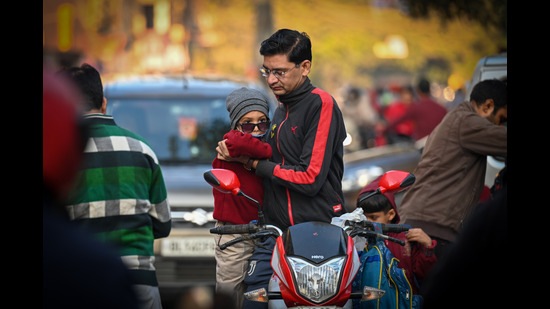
[{"x": 303, "y": 179}]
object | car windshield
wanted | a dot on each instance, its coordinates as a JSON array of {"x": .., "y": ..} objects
[{"x": 178, "y": 130}]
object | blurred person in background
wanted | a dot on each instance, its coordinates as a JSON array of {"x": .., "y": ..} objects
[
  {"x": 360, "y": 117},
  {"x": 78, "y": 271},
  {"x": 120, "y": 195},
  {"x": 424, "y": 113},
  {"x": 460, "y": 96},
  {"x": 451, "y": 173},
  {"x": 380, "y": 98},
  {"x": 399, "y": 131}
]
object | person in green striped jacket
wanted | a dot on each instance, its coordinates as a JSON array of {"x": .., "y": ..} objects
[{"x": 120, "y": 195}]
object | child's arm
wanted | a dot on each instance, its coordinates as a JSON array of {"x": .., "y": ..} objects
[
  {"x": 241, "y": 144},
  {"x": 423, "y": 255}
]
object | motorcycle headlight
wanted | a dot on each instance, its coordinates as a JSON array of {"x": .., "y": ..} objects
[{"x": 317, "y": 282}]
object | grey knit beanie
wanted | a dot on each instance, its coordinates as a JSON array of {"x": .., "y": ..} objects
[{"x": 244, "y": 100}]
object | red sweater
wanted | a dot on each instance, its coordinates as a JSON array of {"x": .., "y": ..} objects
[
  {"x": 395, "y": 111},
  {"x": 426, "y": 114},
  {"x": 238, "y": 209}
]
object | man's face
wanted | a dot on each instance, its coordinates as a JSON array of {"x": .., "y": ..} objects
[
  {"x": 500, "y": 116},
  {"x": 284, "y": 76},
  {"x": 487, "y": 110}
]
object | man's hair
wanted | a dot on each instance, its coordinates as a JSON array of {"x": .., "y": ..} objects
[
  {"x": 296, "y": 45},
  {"x": 490, "y": 89},
  {"x": 88, "y": 81},
  {"x": 375, "y": 203}
]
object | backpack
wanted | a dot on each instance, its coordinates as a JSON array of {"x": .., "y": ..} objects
[{"x": 379, "y": 269}]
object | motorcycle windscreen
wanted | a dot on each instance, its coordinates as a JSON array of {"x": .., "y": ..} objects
[{"x": 315, "y": 241}]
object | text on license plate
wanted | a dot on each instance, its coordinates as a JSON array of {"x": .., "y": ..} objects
[{"x": 188, "y": 246}]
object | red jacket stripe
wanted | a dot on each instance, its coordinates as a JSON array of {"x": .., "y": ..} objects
[{"x": 318, "y": 150}]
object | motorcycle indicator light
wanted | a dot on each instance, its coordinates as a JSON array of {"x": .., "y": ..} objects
[
  {"x": 259, "y": 295},
  {"x": 370, "y": 293},
  {"x": 317, "y": 282}
]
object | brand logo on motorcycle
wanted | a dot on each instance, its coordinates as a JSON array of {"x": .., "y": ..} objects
[{"x": 316, "y": 257}]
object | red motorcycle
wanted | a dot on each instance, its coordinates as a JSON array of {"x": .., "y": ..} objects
[{"x": 314, "y": 263}]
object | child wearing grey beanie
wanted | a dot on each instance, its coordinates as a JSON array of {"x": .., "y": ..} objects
[
  {"x": 241, "y": 141},
  {"x": 244, "y": 100}
]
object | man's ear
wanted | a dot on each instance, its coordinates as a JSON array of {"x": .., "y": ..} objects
[
  {"x": 486, "y": 109},
  {"x": 104, "y": 106},
  {"x": 306, "y": 66}
]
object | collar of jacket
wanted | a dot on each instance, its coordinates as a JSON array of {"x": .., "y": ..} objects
[
  {"x": 298, "y": 94},
  {"x": 97, "y": 118},
  {"x": 467, "y": 105}
]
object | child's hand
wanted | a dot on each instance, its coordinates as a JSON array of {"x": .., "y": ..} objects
[
  {"x": 223, "y": 152},
  {"x": 419, "y": 236}
]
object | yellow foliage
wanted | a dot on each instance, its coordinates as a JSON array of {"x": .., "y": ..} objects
[{"x": 343, "y": 34}]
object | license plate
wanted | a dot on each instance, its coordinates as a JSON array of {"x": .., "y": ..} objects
[{"x": 187, "y": 246}]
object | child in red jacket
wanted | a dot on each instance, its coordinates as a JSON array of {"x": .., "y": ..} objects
[
  {"x": 249, "y": 114},
  {"x": 417, "y": 256}
]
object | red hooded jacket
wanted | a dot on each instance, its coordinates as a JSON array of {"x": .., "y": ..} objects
[
  {"x": 238, "y": 209},
  {"x": 413, "y": 257}
]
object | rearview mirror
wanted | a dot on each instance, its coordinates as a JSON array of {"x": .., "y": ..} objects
[
  {"x": 391, "y": 181},
  {"x": 223, "y": 180},
  {"x": 226, "y": 181}
]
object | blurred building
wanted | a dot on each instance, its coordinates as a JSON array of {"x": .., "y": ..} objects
[
  {"x": 127, "y": 35},
  {"x": 368, "y": 43}
]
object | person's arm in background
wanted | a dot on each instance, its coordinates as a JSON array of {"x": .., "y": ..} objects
[{"x": 483, "y": 137}]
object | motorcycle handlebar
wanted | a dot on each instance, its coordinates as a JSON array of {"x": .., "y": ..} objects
[
  {"x": 263, "y": 233},
  {"x": 374, "y": 235},
  {"x": 395, "y": 228},
  {"x": 396, "y": 240},
  {"x": 385, "y": 227},
  {"x": 235, "y": 229}
]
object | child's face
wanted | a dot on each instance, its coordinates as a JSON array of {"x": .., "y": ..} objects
[
  {"x": 255, "y": 119},
  {"x": 380, "y": 216}
]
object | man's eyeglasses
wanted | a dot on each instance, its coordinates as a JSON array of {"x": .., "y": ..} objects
[
  {"x": 248, "y": 127},
  {"x": 279, "y": 74}
]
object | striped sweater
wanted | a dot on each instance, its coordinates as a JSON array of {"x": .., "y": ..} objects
[{"x": 121, "y": 195}]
